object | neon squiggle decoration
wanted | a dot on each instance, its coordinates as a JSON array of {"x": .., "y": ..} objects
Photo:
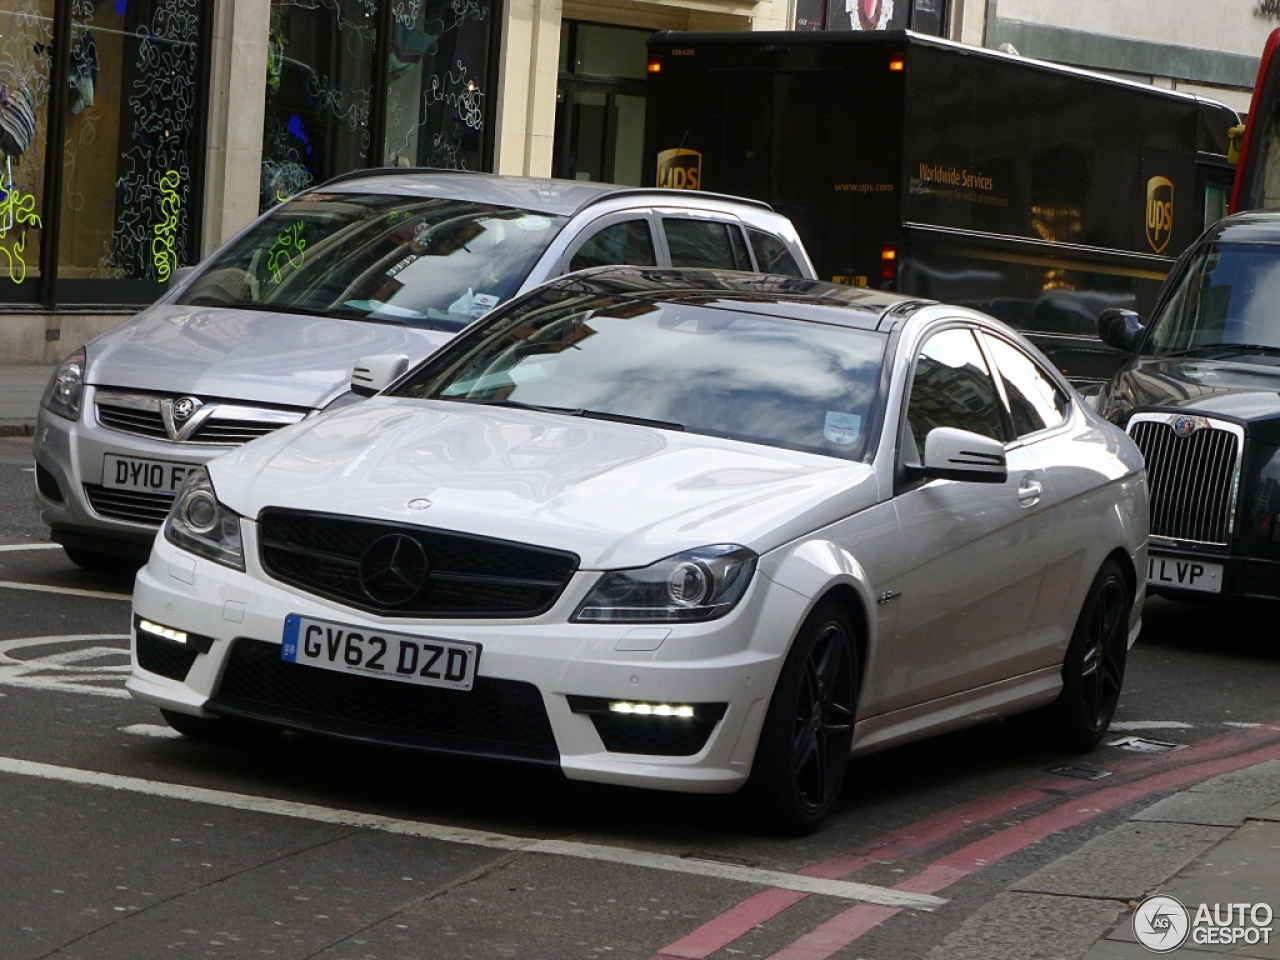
[
  {"x": 163, "y": 243},
  {"x": 288, "y": 238},
  {"x": 17, "y": 209}
]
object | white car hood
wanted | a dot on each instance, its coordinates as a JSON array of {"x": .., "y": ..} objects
[
  {"x": 276, "y": 358},
  {"x": 616, "y": 494}
]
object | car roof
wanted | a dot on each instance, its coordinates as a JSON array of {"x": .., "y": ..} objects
[
  {"x": 539, "y": 195},
  {"x": 767, "y": 294},
  {"x": 1255, "y": 226}
]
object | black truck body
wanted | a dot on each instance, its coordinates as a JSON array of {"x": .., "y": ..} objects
[{"x": 1038, "y": 193}]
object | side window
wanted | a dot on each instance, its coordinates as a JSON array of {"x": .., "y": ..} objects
[
  {"x": 772, "y": 254},
  {"x": 952, "y": 387},
  {"x": 628, "y": 242},
  {"x": 1035, "y": 401},
  {"x": 705, "y": 243}
]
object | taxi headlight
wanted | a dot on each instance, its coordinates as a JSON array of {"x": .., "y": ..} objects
[
  {"x": 699, "y": 584},
  {"x": 198, "y": 523}
]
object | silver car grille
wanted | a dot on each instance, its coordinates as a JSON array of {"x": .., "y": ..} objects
[
  {"x": 132, "y": 506},
  {"x": 1193, "y": 474},
  {"x": 188, "y": 419}
]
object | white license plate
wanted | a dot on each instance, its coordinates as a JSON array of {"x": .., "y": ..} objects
[
  {"x": 1184, "y": 574},
  {"x": 371, "y": 652},
  {"x": 153, "y": 476}
]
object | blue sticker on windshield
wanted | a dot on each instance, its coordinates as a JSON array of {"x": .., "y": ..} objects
[{"x": 842, "y": 428}]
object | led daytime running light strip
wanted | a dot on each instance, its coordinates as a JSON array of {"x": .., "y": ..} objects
[
  {"x": 650, "y": 709},
  {"x": 177, "y": 636}
]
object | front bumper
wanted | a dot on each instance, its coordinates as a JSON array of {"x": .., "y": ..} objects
[
  {"x": 1242, "y": 578},
  {"x": 538, "y": 670},
  {"x": 69, "y": 458}
]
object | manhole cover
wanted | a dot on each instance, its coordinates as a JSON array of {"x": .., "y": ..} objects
[
  {"x": 1081, "y": 773},
  {"x": 1143, "y": 745}
]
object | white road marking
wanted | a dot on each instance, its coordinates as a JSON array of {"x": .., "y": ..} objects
[
  {"x": 67, "y": 591},
  {"x": 1130, "y": 725},
  {"x": 841, "y": 889},
  {"x": 151, "y": 730},
  {"x": 7, "y": 547},
  {"x": 85, "y": 668}
]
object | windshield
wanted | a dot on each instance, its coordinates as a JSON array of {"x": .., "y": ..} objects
[
  {"x": 708, "y": 370},
  {"x": 1225, "y": 303},
  {"x": 432, "y": 262}
]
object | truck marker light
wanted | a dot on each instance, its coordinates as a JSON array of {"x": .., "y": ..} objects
[
  {"x": 897, "y": 64},
  {"x": 889, "y": 262},
  {"x": 655, "y": 64}
]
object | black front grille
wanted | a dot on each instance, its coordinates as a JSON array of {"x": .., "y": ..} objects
[
  {"x": 1193, "y": 480},
  {"x": 499, "y": 718},
  {"x": 164, "y": 657},
  {"x": 653, "y": 736},
  {"x": 466, "y": 576},
  {"x": 135, "y": 506}
]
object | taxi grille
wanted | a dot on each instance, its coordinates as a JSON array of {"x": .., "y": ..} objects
[
  {"x": 132, "y": 506},
  {"x": 1193, "y": 480},
  {"x": 498, "y": 718},
  {"x": 465, "y": 576}
]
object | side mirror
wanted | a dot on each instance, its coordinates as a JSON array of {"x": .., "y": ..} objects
[
  {"x": 179, "y": 275},
  {"x": 377, "y": 372},
  {"x": 951, "y": 454},
  {"x": 1121, "y": 329}
]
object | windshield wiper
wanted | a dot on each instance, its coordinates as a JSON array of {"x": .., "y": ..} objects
[
  {"x": 569, "y": 412},
  {"x": 1227, "y": 350}
]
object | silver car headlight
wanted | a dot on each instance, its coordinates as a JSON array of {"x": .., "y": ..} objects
[
  {"x": 699, "y": 584},
  {"x": 66, "y": 387},
  {"x": 199, "y": 524}
]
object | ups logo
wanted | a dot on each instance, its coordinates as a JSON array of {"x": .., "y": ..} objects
[
  {"x": 1159, "y": 213},
  {"x": 680, "y": 169}
]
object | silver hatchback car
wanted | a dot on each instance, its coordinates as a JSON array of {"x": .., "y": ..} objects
[{"x": 374, "y": 271}]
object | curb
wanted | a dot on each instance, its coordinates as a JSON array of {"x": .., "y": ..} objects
[{"x": 17, "y": 428}]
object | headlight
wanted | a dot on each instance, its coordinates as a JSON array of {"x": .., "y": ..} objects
[
  {"x": 699, "y": 584},
  {"x": 198, "y": 523},
  {"x": 66, "y": 387}
]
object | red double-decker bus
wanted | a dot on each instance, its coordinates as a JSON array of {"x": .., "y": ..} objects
[{"x": 1257, "y": 182}]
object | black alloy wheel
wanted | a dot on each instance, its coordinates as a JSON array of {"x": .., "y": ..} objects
[
  {"x": 808, "y": 731},
  {"x": 1093, "y": 671}
]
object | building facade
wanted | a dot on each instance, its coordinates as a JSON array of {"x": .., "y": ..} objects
[{"x": 138, "y": 135}]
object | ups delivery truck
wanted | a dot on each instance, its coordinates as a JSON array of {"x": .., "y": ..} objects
[{"x": 1038, "y": 193}]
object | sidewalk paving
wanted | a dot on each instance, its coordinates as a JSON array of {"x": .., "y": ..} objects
[
  {"x": 1216, "y": 843},
  {"x": 21, "y": 387}
]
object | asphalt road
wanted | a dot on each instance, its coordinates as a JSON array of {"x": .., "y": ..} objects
[{"x": 122, "y": 841}]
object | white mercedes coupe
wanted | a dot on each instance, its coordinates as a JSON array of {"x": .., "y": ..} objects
[{"x": 685, "y": 530}]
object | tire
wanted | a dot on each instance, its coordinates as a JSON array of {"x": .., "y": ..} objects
[
  {"x": 225, "y": 732},
  {"x": 1093, "y": 670},
  {"x": 804, "y": 745},
  {"x": 96, "y": 562}
]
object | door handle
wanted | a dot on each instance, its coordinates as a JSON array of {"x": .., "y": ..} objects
[{"x": 1029, "y": 492}]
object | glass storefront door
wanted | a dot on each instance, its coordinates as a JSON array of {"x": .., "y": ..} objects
[{"x": 600, "y": 103}]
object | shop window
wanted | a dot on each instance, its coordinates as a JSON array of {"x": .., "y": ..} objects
[
  {"x": 26, "y": 49},
  {"x": 320, "y": 93},
  {"x": 129, "y": 184},
  {"x": 438, "y": 93}
]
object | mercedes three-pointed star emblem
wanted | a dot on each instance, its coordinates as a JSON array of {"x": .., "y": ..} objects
[{"x": 394, "y": 570}]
